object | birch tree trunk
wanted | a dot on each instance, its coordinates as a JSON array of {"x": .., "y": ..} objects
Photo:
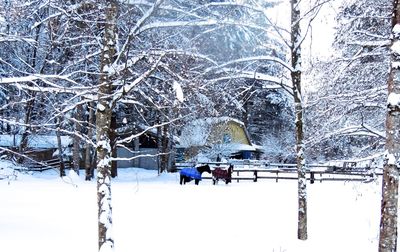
[
  {"x": 113, "y": 139},
  {"x": 390, "y": 184},
  {"x": 103, "y": 122},
  {"x": 296, "y": 80}
]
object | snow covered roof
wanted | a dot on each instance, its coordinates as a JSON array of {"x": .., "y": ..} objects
[
  {"x": 223, "y": 119},
  {"x": 35, "y": 141},
  {"x": 242, "y": 147}
]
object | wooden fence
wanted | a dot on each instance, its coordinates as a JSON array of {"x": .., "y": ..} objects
[
  {"x": 254, "y": 170},
  {"x": 47, "y": 165}
]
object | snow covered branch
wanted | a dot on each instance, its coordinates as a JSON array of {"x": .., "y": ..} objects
[
  {"x": 128, "y": 87},
  {"x": 13, "y": 38},
  {"x": 19, "y": 82},
  {"x": 249, "y": 59},
  {"x": 355, "y": 130}
]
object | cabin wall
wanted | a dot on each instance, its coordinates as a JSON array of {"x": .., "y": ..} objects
[
  {"x": 143, "y": 162},
  {"x": 238, "y": 134},
  {"x": 39, "y": 154},
  {"x": 231, "y": 130}
]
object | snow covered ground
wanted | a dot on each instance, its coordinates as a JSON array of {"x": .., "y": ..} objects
[{"x": 41, "y": 212}]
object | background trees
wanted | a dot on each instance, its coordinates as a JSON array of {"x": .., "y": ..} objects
[
  {"x": 200, "y": 44},
  {"x": 52, "y": 55},
  {"x": 349, "y": 90}
]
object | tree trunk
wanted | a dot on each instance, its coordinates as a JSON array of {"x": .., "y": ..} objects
[
  {"x": 159, "y": 147},
  {"x": 103, "y": 122},
  {"x": 24, "y": 138},
  {"x": 88, "y": 155},
  {"x": 76, "y": 156},
  {"x": 31, "y": 101},
  {"x": 390, "y": 181},
  {"x": 60, "y": 150},
  {"x": 171, "y": 148},
  {"x": 296, "y": 80},
  {"x": 113, "y": 139},
  {"x": 136, "y": 148},
  {"x": 164, "y": 148}
]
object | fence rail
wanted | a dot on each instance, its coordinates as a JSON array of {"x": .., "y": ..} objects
[
  {"x": 256, "y": 170},
  {"x": 47, "y": 165}
]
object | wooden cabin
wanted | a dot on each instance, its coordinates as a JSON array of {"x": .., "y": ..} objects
[
  {"x": 40, "y": 147},
  {"x": 217, "y": 136}
]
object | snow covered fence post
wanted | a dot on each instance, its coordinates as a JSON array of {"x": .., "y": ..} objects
[
  {"x": 295, "y": 50},
  {"x": 390, "y": 184},
  {"x": 103, "y": 122}
]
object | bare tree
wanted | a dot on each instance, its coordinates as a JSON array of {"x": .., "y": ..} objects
[
  {"x": 103, "y": 122},
  {"x": 390, "y": 185},
  {"x": 295, "y": 50}
]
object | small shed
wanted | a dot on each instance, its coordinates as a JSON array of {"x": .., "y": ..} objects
[
  {"x": 215, "y": 136},
  {"x": 144, "y": 146},
  {"x": 40, "y": 147}
]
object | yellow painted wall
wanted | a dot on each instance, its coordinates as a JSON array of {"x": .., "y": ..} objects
[{"x": 235, "y": 131}]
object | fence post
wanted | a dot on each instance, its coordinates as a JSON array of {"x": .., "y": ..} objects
[
  {"x": 255, "y": 176},
  {"x": 312, "y": 178}
]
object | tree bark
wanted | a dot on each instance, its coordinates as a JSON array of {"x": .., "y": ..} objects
[
  {"x": 76, "y": 140},
  {"x": 296, "y": 81},
  {"x": 113, "y": 139},
  {"x": 171, "y": 148},
  {"x": 136, "y": 148},
  {"x": 24, "y": 138},
  {"x": 164, "y": 148},
  {"x": 60, "y": 149},
  {"x": 103, "y": 122},
  {"x": 31, "y": 101},
  {"x": 159, "y": 147},
  {"x": 88, "y": 155},
  {"x": 390, "y": 180}
]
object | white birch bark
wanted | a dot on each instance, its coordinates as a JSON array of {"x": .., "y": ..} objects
[
  {"x": 103, "y": 121},
  {"x": 296, "y": 79}
]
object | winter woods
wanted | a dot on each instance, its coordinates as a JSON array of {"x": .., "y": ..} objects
[
  {"x": 348, "y": 92},
  {"x": 108, "y": 74},
  {"x": 211, "y": 49}
]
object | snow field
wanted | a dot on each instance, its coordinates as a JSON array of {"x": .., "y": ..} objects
[{"x": 154, "y": 213}]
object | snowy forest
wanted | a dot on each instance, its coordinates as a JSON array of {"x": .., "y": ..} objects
[
  {"x": 226, "y": 58},
  {"x": 107, "y": 73}
]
